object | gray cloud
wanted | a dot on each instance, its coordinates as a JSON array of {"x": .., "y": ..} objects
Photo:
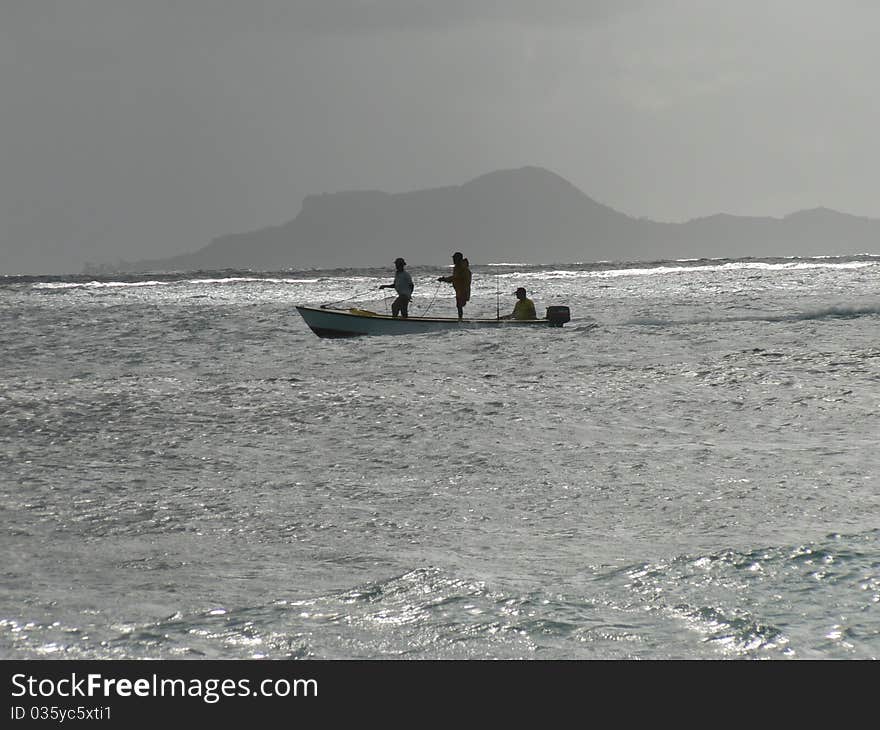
[
  {"x": 313, "y": 16},
  {"x": 138, "y": 129},
  {"x": 427, "y": 14}
]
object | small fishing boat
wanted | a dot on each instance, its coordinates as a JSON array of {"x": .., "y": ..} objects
[{"x": 326, "y": 322}]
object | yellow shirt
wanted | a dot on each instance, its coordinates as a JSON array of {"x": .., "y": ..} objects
[{"x": 524, "y": 309}]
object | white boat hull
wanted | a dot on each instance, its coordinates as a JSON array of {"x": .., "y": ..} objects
[{"x": 355, "y": 322}]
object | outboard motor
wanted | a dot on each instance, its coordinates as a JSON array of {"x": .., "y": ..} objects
[{"x": 558, "y": 316}]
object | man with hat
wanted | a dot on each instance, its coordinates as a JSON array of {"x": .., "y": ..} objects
[
  {"x": 460, "y": 280},
  {"x": 403, "y": 284},
  {"x": 524, "y": 307}
]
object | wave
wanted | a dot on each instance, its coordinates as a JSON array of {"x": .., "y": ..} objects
[
  {"x": 701, "y": 590},
  {"x": 599, "y": 269},
  {"x": 152, "y": 282},
  {"x": 838, "y": 311},
  {"x": 766, "y": 266}
]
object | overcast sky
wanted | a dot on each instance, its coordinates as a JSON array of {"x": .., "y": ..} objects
[{"x": 144, "y": 128}]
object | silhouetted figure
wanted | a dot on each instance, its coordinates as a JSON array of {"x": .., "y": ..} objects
[
  {"x": 460, "y": 280},
  {"x": 403, "y": 285}
]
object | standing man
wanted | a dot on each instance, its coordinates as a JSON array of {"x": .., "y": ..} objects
[
  {"x": 460, "y": 280},
  {"x": 524, "y": 307},
  {"x": 403, "y": 284}
]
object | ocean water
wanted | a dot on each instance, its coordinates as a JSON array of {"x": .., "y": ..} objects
[{"x": 186, "y": 471}]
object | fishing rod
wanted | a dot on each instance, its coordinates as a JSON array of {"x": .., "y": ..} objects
[
  {"x": 362, "y": 294},
  {"x": 431, "y": 303}
]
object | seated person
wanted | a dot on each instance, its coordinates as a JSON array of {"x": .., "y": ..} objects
[{"x": 524, "y": 307}]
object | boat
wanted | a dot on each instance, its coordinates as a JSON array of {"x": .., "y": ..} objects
[{"x": 327, "y": 322}]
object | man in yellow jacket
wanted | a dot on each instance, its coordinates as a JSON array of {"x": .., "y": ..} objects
[
  {"x": 460, "y": 280},
  {"x": 524, "y": 307}
]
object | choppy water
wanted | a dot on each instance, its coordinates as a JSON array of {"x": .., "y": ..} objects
[{"x": 186, "y": 471}]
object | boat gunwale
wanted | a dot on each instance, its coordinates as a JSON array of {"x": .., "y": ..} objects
[{"x": 389, "y": 318}]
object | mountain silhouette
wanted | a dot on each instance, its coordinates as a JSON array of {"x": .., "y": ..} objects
[{"x": 527, "y": 215}]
